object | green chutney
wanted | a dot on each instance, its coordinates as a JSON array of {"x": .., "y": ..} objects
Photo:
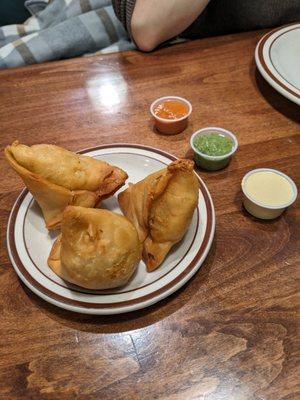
[{"x": 213, "y": 144}]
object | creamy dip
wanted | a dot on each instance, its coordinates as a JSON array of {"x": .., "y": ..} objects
[{"x": 268, "y": 188}]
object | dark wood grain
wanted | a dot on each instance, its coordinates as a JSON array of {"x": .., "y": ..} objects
[{"x": 233, "y": 331}]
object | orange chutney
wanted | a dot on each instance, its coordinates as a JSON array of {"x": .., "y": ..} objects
[{"x": 171, "y": 109}]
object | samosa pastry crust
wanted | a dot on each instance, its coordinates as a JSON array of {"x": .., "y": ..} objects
[
  {"x": 161, "y": 207},
  {"x": 57, "y": 178},
  {"x": 97, "y": 249}
]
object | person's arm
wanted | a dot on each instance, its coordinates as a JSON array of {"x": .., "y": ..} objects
[{"x": 155, "y": 21}]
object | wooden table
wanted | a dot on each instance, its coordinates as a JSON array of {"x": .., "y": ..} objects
[{"x": 231, "y": 332}]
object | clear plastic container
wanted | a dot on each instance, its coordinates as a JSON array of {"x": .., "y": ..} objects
[
  {"x": 213, "y": 163},
  {"x": 170, "y": 126},
  {"x": 264, "y": 210}
]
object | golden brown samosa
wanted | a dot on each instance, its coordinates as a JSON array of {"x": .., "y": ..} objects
[
  {"x": 57, "y": 177},
  {"x": 161, "y": 207},
  {"x": 97, "y": 249}
]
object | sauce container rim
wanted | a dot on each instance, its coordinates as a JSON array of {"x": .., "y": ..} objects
[
  {"x": 216, "y": 129},
  {"x": 264, "y": 205},
  {"x": 166, "y": 120}
]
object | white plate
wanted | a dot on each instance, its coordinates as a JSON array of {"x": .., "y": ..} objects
[
  {"x": 29, "y": 244},
  {"x": 277, "y": 57}
]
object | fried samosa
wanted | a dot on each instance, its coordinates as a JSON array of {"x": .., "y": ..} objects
[
  {"x": 57, "y": 177},
  {"x": 161, "y": 207},
  {"x": 97, "y": 249}
]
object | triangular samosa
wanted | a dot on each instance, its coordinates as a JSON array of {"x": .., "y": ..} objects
[
  {"x": 161, "y": 207},
  {"x": 97, "y": 249},
  {"x": 57, "y": 177}
]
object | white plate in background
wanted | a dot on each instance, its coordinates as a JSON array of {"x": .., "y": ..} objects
[{"x": 277, "y": 57}]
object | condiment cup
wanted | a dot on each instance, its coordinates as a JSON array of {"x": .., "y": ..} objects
[
  {"x": 213, "y": 163},
  {"x": 170, "y": 126},
  {"x": 264, "y": 211}
]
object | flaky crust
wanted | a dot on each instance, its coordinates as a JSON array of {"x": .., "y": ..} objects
[
  {"x": 97, "y": 248},
  {"x": 50, "y": 174},
  {"x": 161, "y": 207}
]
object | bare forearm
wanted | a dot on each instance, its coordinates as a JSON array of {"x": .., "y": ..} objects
[{"x": 155, "y": 21}]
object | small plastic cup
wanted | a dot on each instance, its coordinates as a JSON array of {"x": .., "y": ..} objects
[
  {"x": 213, "y": 163},
  {"x": 265, "y": 211},
  {"x": 170, "y": 126}
]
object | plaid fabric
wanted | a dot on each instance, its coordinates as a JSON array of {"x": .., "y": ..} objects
[{"x": 62, "y": 29}]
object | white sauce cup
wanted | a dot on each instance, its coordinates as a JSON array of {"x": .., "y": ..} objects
[{"x": 265, "y": 211}]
